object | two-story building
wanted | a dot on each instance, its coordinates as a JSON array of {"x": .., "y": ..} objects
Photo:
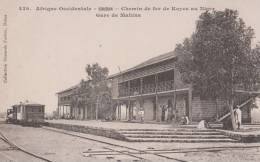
[
  {"x": 153, "y": 90},
  {"x": 64, "y": 109},
  {"x": 74, "y": 102}
]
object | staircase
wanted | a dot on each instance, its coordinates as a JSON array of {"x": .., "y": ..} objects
[
  {"x": 228, "y": 114},
  {"x": 174, "y": 135}
]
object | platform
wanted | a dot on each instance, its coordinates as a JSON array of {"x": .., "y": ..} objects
[
  {"x": 116, "y": 125},
  {"x": 156, "y": 132}
]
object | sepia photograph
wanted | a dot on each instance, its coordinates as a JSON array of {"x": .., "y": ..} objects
[{"x": 129, "y": 81}]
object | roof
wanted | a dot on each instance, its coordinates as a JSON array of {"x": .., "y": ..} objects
[
  {"x": 68, "y": 89},
  {"x": 154, "y": 60},
  {"x": 72, "y": 87},
  {"x": 26, "y": 103}
]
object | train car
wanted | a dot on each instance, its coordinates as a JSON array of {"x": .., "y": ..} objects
[{"x": 26, "y": 113}]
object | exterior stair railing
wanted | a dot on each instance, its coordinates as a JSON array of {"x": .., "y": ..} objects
[{"x": 240, "y": 106}]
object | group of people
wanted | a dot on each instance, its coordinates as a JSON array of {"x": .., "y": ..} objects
[
  {"x": 164, "y": 116},
  {"x": 227, "y": 124},
  {"x": 202, "y": 124}
]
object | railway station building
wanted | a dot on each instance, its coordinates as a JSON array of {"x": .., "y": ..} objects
[
  {"x": 64, "y": 108},
  {"x": 154, "y": 91},
  {"x": 151, "y": 91},
  {"x": 73, "y": 103}
]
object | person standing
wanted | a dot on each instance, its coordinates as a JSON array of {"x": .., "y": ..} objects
[
  {"x": 166, "y": 112},
  {"x": 238, "y": 117},
  {"x": 141, "y": 113},
  {"x": 163, "y": 113}
]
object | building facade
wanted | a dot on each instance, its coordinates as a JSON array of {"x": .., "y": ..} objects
[
  {"x": 150, "y": 91},
  {"x": 74, "y": 103},
  {"x": 64, "y": 109},
  {"x": 153, "y": 91},
  {"x": 82, "y": 102}
]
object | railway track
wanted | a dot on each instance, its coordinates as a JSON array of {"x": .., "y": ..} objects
[
  {"x": 116, "y": 149},
  {"x": 112, "y": 150},
  {"x": 167, "y": 151},
  {"x": 132, "y": 152},
  {"x": 16, "y": 147}
]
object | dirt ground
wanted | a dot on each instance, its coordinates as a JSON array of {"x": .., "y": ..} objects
[{"x": 60, "y": 147}]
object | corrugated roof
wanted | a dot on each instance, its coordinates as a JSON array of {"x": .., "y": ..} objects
[{"x": 148, "y": 62}]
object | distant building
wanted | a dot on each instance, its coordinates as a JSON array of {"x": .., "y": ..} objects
[
  {"x": 65, "y": 102},
  {"x": 76, "y": 103},
  {"x": 73, "y": 103}
]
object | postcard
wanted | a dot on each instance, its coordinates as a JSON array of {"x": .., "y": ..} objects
[{"x": 129, "y": 80}]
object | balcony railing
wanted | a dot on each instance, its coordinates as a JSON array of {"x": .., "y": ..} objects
[
  {"x": 135, "y": 91},
  {"x": 165, "y": 86},
  {"x": 123, "y": 92},
  {"x": 147, "y": 88}
]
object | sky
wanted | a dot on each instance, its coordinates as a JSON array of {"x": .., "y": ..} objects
[{"x": 48, "y": 51}]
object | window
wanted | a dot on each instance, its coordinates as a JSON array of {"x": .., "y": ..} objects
[{"x": 36, "y": 109}]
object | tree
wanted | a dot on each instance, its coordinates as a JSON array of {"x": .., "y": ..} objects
[
  {"x": 96, "y": 73},
  {"x": 218, "y": 56},
  {"x": 100, "y": 89}
]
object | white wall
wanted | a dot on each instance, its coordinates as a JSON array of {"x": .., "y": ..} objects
[
  {"x": 255, "y": 113},
  {"x": 19, "y": 114},
  {"x": 123, "y": 112}
]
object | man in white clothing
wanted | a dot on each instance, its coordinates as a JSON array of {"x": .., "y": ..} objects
[{"x": 238, "y": 117}]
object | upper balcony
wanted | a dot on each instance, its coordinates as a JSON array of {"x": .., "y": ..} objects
[
  {"x": 147, "y": 88},
  {"x": 151, "y": 84}
]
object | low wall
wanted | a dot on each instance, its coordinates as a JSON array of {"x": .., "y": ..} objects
[
  {"x": 247, "y": 137},
  {"x": 110, "y": 133}
]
